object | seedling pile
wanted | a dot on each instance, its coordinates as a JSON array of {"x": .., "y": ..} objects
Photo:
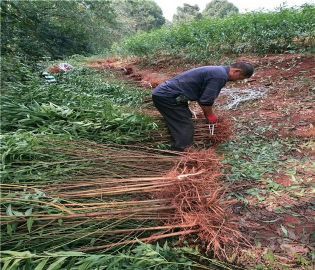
[{"x": 112, "y": 212}]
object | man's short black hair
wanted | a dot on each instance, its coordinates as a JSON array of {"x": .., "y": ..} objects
[{"x": 247, "y": 68}]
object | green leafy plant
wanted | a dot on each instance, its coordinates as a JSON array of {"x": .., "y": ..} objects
[
  {"x": 251, "y": 158},
  {"x": 143, "y": 256},
  {"x": 260, "y": 32},
  {"x": 81, "y": 104}
]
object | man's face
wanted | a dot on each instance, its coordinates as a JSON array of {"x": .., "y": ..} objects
[{"x": 236, "y": 74}]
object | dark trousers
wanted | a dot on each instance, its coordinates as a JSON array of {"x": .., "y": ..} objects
[{"x": 178, "y": 119}]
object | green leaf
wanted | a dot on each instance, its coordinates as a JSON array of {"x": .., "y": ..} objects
[
  {"x": 29, "y": 211},
  {"x": 57, "y": 264},
  {"x": 284, "y": 230},
  {"x": 92, "y": 242},
  {"x": 42, "y": 264},
  {"x": 26, "y": 254},
  {"x": 165, "y": 246},
  {"x": 151, "y": 253},
  {"x": 85, "y": 266},
  {"x": 9, "y": 210},
  {"x": 17, "y": 213},
  {"x": 9, "y": 229},
  {"x": 15, "y": 264},
  {"x": 69, "y": 253},
  {"x": 6, "y": 264},
  {"x": 29, "y": 224},
  {"x": 115, "y": 262}
]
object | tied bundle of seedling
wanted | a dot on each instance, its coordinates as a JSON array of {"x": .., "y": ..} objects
[
  {"x": 103, "y": 213},
  {"x": 203, "y": 136},
  {"x": 215, "y": 134}
]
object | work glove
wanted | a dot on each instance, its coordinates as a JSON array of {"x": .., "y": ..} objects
[{"x": 212, "y": 118}]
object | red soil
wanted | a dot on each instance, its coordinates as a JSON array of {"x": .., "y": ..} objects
[{"x": 284, "y": 180}]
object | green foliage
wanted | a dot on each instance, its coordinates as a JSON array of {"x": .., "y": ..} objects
[
  {"x": 144, "y": 256},
  {"x": 55, "y": 28},
  {"x": 32, "y": 30},
  {"x": 251, "y": 158},
  {"x": 25, "y": 157},
  {"x": 274, "y": 32},
  {"x": 15, "y": 69},
  {"x": 137, "y": 15},
  {"x": 186, "y": 13},
  {"x": 219, "y": 9},
  {"x": 80, "y": 104}
]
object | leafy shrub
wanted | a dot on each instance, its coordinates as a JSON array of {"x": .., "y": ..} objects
[
  {"x": 15, "y": 69},
  {"x": 260, "y": 32}
]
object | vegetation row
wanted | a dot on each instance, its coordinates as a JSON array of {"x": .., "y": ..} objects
[{"x": 288, "y": 30}]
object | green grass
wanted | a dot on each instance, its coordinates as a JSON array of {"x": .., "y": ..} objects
[
  {"x": 288, "y": 30},
  {"x": 250, "y": 158},
  {"x": 255, "y": 162},
  {"x": 251, "y": 161}
]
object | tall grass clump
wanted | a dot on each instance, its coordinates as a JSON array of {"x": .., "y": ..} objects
[
  {"x": 81, "y": 104},
  {"x": 287, "y": 30}
]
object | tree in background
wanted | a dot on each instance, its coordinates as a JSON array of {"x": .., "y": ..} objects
[
  {"x": 62, "y": 28},
  {"x": 219, "y": 9},
  {"x": 55, "y": 28},
  {"x": 137, "y": 15},
  {"x": 31, "y": 30},
  {"x": 187, "y": 13}
]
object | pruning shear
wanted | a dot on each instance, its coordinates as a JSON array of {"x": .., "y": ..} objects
[{"x": 211, "y": 129}]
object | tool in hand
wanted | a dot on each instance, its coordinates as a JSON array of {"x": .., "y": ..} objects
[
  {"x": 212, "y": 119},
  {"x": 211, "y": 129}
]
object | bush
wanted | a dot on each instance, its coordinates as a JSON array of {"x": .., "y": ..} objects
[{"x": 289, "y": 30}]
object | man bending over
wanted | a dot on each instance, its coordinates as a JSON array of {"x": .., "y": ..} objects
[{"x": 202, "y": 84}]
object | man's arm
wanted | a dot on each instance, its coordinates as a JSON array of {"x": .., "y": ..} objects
[
  {"x": 207, "y": 110},
  {"x": 209, "y": 114},
  {"x": 208, "y": 97}
]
